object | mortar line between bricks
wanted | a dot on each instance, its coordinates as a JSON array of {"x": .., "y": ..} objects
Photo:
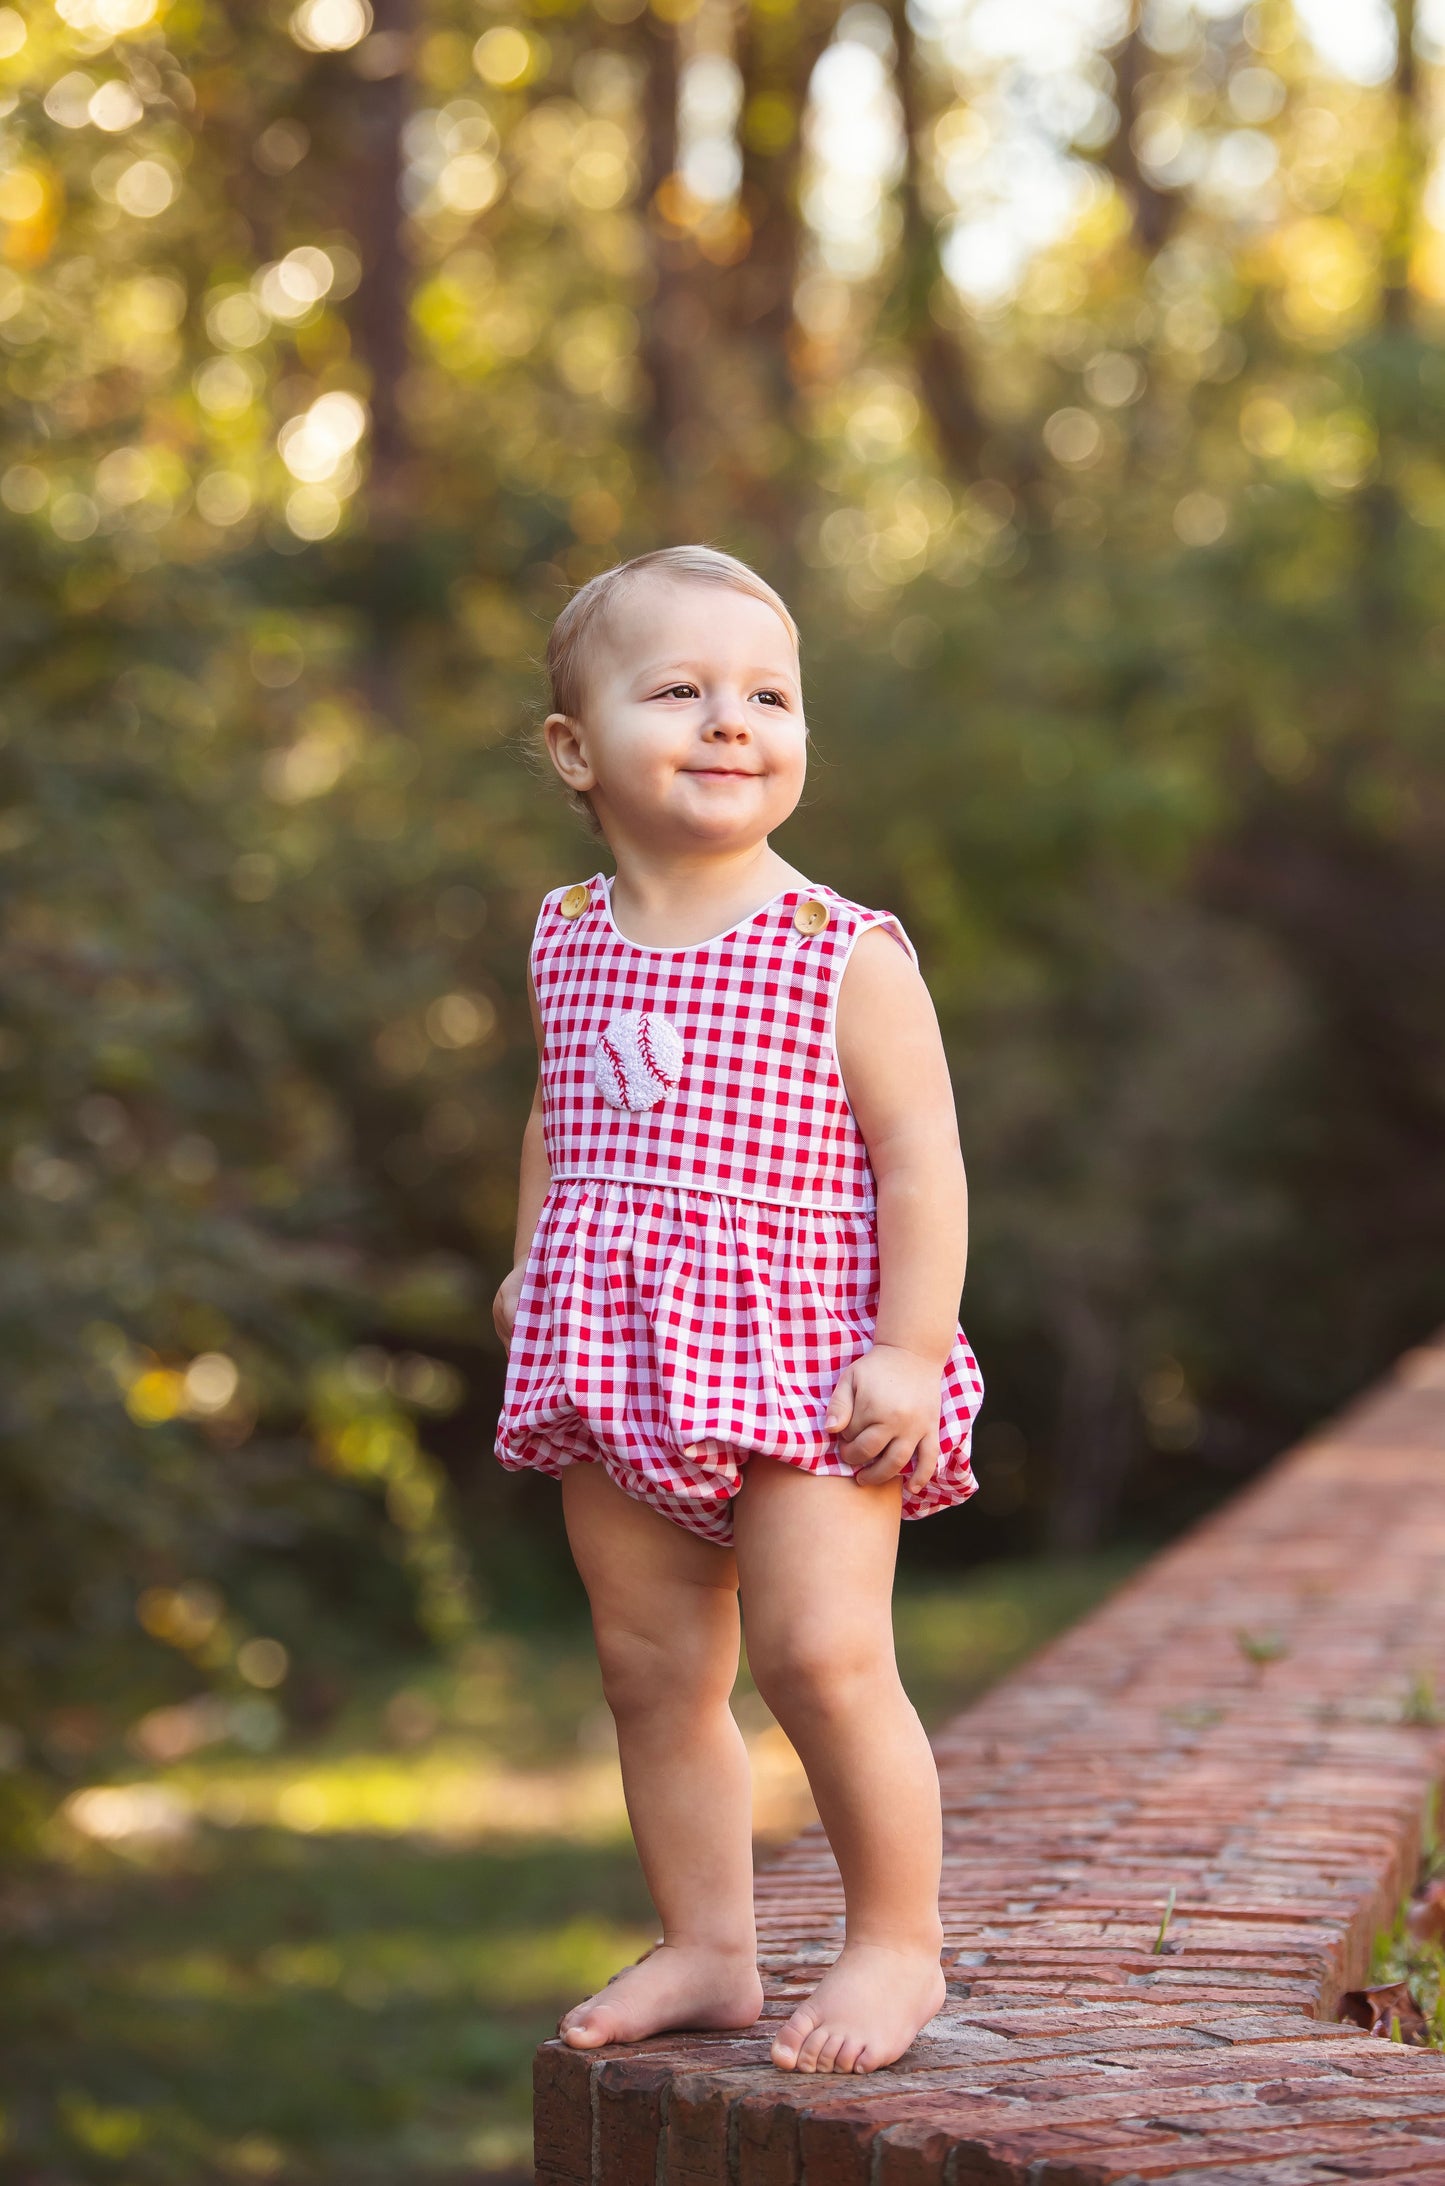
[{"x": 733, "y": 2130}]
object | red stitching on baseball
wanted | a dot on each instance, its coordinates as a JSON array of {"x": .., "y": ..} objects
[
  {"x": 619, "y": 1077},
  {"x": 644, "y": 1042}
]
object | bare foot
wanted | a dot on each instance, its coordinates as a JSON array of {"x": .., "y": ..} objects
[
  {"x": 676, "y": 1985},
  {"x": 864, "y": 2012}
]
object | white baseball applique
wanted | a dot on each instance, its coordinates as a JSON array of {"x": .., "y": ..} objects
[{"x": 638, "y": 1060}]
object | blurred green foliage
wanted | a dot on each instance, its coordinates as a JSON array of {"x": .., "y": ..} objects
[{"x": 338, "y": 342}]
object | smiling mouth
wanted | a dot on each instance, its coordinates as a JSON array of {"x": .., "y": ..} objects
[{"x": 731, "y": 774}]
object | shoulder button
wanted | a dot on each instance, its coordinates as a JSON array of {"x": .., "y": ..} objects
[
  {"x": 576, "y": 900},
  {"x": 811, "y": 916}
]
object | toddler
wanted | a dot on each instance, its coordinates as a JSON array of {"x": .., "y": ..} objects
[{"x": 732, "y": 1324}]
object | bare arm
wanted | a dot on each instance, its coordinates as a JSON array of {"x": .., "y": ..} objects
[
  {"x": 536, "y": 1175},
  {"x": 895, "y": 1074},
  {"x": 536, "y": 1170}
]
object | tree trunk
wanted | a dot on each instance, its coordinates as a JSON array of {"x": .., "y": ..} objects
[
  {"x": 1093, "y": 1441},
  {"x": 380, "y": 311},
  {"x": 1410, "y": 160},
  {"x": 676, "y": 325},
  {"x": 940, "y": 363},
  {"x": 1152, "y": 211},
  {"x": 776, "y": 55},
  {"x": 776, "y": 58},
  {"x": 1379, "y": 506},
  {"x": 380, "y": 322}
]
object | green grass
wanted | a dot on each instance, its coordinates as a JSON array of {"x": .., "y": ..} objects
[
  {"x": 333, "y": 1967},
  {"x": 1400, "y": 1956},
  {"x": 345, "y": 2008}
]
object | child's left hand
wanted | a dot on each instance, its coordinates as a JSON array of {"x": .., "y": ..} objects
[{"x": 886, "y": 1407}]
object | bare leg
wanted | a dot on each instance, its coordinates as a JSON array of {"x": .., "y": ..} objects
[
  {"x": 665, "y": 1615},
  {"x": 816, "y": 1557}
]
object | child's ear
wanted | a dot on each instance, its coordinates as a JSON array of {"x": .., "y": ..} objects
[{"x": 565, "y": 750}]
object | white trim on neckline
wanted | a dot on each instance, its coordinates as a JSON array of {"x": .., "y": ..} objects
[{"x": 688, "y": 947}]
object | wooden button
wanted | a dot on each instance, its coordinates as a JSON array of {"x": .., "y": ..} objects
[
  {"x": 576, "y": 900},
  {"x": 811, "y": 916}
]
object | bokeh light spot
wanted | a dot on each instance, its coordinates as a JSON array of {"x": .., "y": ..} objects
[{"x": 330, "y": 26}]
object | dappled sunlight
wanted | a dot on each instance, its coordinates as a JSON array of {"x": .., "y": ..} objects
[
  {"x": 457, "y": 1790},
  {"x": 454, "y": 1794},
  {"x": 523, "y": 1967}
]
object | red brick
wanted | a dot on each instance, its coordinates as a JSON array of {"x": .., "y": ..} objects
[
  {"x": 628, "y": 2096},
  {"x": 911, "y": 2155},
  {"x": 837, "y": 2150},
  {"x": 695, "y": 2147},
  {"x": 562, "y": 2116},
  {"x": 765, "y": 2141}
]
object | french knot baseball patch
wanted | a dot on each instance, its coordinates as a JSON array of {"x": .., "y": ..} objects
[{"x": 638, "y": 1060}]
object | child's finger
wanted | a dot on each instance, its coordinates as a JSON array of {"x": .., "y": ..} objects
[
  {"x": 840, "y": 1404},
  {"x": 927, "y": 1462},
  {"x": 888, "y": 1464},
  {"x": 866, "y": 1444}
]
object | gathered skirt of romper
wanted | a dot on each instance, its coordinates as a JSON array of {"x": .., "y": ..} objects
[{"x": 658, "y": 1320}]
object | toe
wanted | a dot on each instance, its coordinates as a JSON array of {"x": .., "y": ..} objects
[
  {"x": 812, "y": 2050},
  {"x": 827, "y": 2057},
  {"x": 589, "y": 2031},
  {"x": 849, "y": 2051},
  {"x": 790, "y": 2037},
  {"x": 580, "y": 2014}
]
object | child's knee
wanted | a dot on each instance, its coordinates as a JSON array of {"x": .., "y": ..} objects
[
  {"x": 647, "y": 1671},
  {"x": 817, "y": 1671}
]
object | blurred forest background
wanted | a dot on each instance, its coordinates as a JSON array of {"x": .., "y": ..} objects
[{"x": 1074, "y": 369}]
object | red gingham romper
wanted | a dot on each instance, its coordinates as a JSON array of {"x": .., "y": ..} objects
[{"x": 705, "y": 1263}]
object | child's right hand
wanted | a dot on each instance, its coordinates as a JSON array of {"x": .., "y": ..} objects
[
  {"x": 884, "y": 1409},
  {"x": 504, "y": 1305}
]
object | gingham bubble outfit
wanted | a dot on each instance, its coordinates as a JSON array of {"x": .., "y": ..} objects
[{"x": 705, "y": 1262}]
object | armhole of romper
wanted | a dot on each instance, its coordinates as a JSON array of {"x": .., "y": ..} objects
[
  {"x": 894, "y": 926},
  {"x": 544, "y": 909},
  {"x": 866, "y": 921}
]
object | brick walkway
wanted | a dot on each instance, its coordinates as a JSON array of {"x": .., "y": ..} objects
[{"x": 1278, "y": 1789}]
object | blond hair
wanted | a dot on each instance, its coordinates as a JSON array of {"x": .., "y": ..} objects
[{"x": 571, "y": 642}]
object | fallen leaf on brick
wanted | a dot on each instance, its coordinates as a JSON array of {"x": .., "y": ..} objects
[
  {"x": 1426, "y": 1918},
  {"x": 1380, "y": 2011}
]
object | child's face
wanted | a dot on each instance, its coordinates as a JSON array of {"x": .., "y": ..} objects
[{"x": 692, "y": 730}]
